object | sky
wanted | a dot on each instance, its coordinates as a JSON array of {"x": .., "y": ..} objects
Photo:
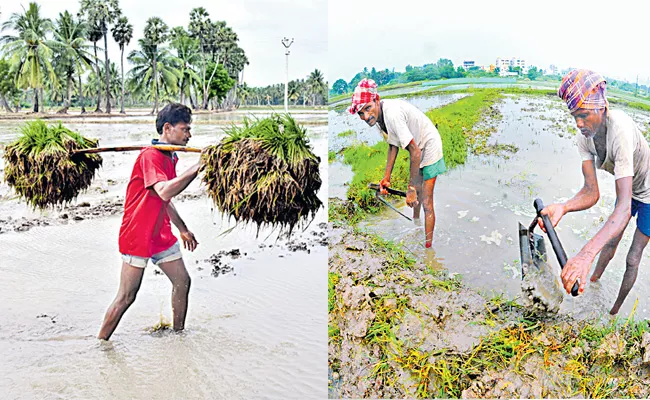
[
  {"x": 260, "y": 25},
  {"x": 607, "y": 37}
]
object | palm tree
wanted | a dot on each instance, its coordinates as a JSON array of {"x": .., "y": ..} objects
[
  {"x": 29, "y": 51},
  {"x": 188, "y": 55},
  {"x": 155, "y": 34},
  {"x": 142, "y": 78},
  {"x": 94, "y": 34},
  {"x": 201, "y": 28},
  {"x": 72, "y": 52},
  {"x": 316, "y": 84},
  {"x": 102, "y": 13},
  {"x": 122, "y": 34}
]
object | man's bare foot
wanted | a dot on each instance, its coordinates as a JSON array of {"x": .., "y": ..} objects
[{"x": 594, "y": 278}]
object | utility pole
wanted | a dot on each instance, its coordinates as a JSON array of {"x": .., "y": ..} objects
[
  {"x": 636, "y": 88},
  {"x": 286, "y": 43}
]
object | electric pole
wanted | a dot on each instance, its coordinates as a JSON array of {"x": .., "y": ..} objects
[{"x": 286, "y": 43}]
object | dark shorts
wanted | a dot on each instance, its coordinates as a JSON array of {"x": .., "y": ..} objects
[{"x": 643, "y": 217}]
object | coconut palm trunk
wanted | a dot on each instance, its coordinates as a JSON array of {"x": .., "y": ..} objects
[
  {"x": 5, "y": 104},
  {"x": 107, "y": 72},
  {"x": 81, "y": 94},
  {"x": 122, "y": 66},
  {"x": 155, "y": 83},
  {"x": 35, "y": 100},
  {"x": 99, "y": 81}
]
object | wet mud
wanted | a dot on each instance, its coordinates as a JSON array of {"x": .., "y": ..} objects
[{"x": 399, "y": 329}]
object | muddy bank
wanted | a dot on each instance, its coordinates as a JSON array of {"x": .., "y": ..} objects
[
  {"x": 76, "y": 212},
  {"x": 397, "y": 328}
]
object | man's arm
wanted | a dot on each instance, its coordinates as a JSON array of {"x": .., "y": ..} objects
[
  {"x": 189, "y": 241},
  {"x": 168, "y": 189},
  {"x": 578, "y": 266},
  {"x": 415, "y": 156},
  {"x": 175, "y": 218},
  {"x": 390, "y": 163},
  {"x": 586, "y": 198}
]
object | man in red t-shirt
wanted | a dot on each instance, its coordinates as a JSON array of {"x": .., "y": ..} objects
[{"x": 146, "y": 230}]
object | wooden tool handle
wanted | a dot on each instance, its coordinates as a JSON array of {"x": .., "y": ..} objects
[
  {"x": 375, "y": 186},
  {"x": 163, "y": 147}
]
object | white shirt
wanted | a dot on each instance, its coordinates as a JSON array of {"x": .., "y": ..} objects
[
  {"x": 628, "y": 153},
  {"x": 404, "y": 123}
]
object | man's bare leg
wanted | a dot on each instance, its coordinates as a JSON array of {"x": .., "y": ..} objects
[
  {"x": 418, "y": 189},
  {"x": 177, "y": 274},
  {"x": 130, "y": 280},
  {"x": 631, "y": 268},
  {"x": 606, "y": 255},
  {"x": 429, "y": 211}
]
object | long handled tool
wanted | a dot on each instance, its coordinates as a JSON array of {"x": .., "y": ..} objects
[
  {"x": 376, "y": 187},
  {"x": 163, "y": 147},
  {"x": 531, "y": 246}
]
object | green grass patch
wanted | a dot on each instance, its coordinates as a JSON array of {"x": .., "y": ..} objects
[
  {"x": 454, "y": 122},
  {"x": 347, "y": 133}
]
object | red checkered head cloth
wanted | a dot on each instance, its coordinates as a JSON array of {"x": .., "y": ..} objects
[
  {"x": 582, "y": 88},
  {"x": 364, "y": 93}
]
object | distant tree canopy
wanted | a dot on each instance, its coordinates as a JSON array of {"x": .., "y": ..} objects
[{"x": 442, "y": 69}]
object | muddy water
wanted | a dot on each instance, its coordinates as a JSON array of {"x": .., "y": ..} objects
[
  {"x": 258, "y": 331},
  {"x": 479, "y": 205}
]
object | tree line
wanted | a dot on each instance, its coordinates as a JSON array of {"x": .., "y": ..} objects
[{"x": 59, "y": 62}]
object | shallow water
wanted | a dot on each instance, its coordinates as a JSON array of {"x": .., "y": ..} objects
[
  {"x": 256, "y": 332},
  {"x": 478, "y": 206},
  {"x": 343, "y": 121}
]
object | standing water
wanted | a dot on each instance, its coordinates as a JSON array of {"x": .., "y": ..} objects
[
  {"x": 478, "y": 207},
  {"x": 255, "y": 325}
]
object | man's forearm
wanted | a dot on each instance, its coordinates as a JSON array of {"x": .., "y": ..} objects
[
  {"x": 415, "y": 157},
  {"x": 175, "y": 217},
  {"x": 168, "y": 189},
  {"x": 390, "y": 163},
  {"x": 614, "y": 226},
  {"x": 586, "y": 198}
]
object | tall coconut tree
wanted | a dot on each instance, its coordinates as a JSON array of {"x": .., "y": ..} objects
[
  {"x": 316, "y": 84},
  {"x": 101, "y": 14},
  {"x": 155, "y": 34},
  {"x": 29, "y": 51},
  {"x": 94, "y": 35},
  {"x": 188, "y": 56},
  {"x": 122, "y": 34},
  {"x": 72, "y": 52},
  {"x": 142, "y": 78},
  {"x": 201, "y": 28}
]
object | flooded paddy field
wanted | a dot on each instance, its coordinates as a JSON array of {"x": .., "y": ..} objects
[
  {"x": 255, "y": 325},
  {"x": 447, "y": 322}
]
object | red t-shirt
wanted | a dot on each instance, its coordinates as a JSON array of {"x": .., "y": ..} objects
[{"x": 146, "y": 228}]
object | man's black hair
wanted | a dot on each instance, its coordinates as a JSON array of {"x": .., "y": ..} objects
[{"x": 173, "y": 113}]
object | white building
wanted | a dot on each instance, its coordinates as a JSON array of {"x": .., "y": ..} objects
[{"x": 504, "y": 64}]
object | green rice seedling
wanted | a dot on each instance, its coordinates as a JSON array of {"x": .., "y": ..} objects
[
  {"x": 41, "y": 169},
  {"x": 264, "y": 172}
]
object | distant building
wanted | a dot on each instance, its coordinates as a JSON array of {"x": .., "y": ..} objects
[
  {"x": 504, "y": 64},
  {"x": 468, "y": 64},
  {"x": 553, "y": 70}
]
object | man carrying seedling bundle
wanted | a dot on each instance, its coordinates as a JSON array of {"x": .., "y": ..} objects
[
  {"x": 408, "y": 128},
  {"x": 611, "y": 141},
  {"x": 146, "y": 231}
]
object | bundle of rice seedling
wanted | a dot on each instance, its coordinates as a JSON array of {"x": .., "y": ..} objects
[
  {"x": 264, "y": 172},
  {"x": 40, "y": 168}
]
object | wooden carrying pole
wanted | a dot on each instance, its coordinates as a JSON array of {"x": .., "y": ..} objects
[{"x": 163, "y": 147}]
